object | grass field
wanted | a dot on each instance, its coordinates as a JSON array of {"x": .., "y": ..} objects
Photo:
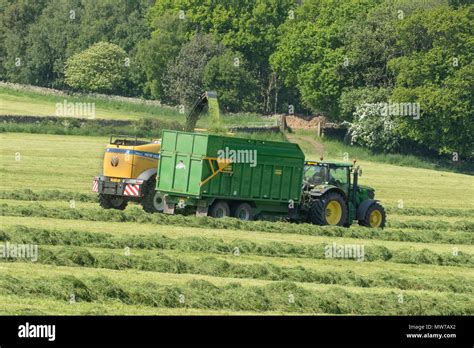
[
  {"x": 69, "y": 163},
  {"x": 93, "y": 261},
  {"x": 35, "y": 104},
  {"x": 31, "y": 103}
]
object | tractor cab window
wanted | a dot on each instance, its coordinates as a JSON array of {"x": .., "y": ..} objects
[
  {"x": 339, "y": 176},
  {"x": 315, "y": 175}
]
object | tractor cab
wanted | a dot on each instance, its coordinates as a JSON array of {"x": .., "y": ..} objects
[{"x": 318, "y": 175}]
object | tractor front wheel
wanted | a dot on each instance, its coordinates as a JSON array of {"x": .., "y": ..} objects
[
  {"x": 331, "y": 209},
  {"x": 112, "y": 202},
  {"x": 374, "y": 217}
]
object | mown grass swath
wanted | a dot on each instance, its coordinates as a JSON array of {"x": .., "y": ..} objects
[
  {"x": 208, "y": 264},
  {"x": 409, "y": 255},
  {"x": 433, "y": 234},
  {"x": 234, "y": 296}
]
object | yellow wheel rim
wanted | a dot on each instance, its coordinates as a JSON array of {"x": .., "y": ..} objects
[
  {"x": 333, "y": 213},
  {"x": 375, "y": 218}
]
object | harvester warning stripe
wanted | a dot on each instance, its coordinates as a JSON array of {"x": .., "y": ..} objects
[
  {"x": 131, "y": 190},
  {"x": 95, "y": 186},
  {"x": 133, "y": 152}
]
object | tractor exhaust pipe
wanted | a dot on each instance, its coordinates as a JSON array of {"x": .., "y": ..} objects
[{"x": 354, "y": 185}]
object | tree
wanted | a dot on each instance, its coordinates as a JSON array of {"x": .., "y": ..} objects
[
  {"x": 16, "y": 18},
  {"x": 250, "y": 27},
  {"x": 121, "y": 23},
  {"x": 353, "y": 98},
  {"x": 183, "y": 81},
  {"x": 49, "y": 42},
  {"x": 311, "y": 54},
  {"x": 437, "y": 72},
  {"x": 156, "y": 53},
  {"x": 369, "y": 45},
  {"x": 236, "y": 88},
  {"x": 37, "y": 37},
  {"x": 100, "y": 68}
]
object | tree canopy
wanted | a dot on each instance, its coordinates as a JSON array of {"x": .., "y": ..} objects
[
  {"x": 100, "y": 68},
  {"x": 324, "y": 57}
]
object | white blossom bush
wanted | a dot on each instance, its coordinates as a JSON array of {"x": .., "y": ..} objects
[{"x": 374, "y": 128}]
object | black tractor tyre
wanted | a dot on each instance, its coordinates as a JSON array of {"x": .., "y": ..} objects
[
  {"x": 112, "y": 202},
  {"x": 318, "y": 209},
  {"x": 152, "y": 201},
  {"x": 219, "y": 209},
  {"x": 243, "y": 211},
  {"x": 374, "y": 216},
  {"x": 104, "y": 201}
]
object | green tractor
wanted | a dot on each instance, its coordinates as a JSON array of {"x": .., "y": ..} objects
[{"x": 330, "y": 197}]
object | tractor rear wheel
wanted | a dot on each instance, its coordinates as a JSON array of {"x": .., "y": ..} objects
[
  {"x": 152, "y": 201},
  {"x": 374, "y": 217},
  {"x": 331, "y": 209},
  {"x": 112, "y": 202},
  {"x": 220, "y": 209}
]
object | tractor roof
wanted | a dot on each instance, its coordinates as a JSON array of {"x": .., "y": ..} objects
[{"x": 330, "y": 163}]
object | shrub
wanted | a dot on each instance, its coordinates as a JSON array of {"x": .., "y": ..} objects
[
  {"x": 373, "y": 127},
  {"x": 100, "y": 68}
]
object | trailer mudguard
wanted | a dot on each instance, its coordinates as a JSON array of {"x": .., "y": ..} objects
[{"x": 363, "y": 208}]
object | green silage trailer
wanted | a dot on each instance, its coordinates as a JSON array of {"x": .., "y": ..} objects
[
  {"x": 222, "y": 176},
  {"x": 229, "y": 176}
]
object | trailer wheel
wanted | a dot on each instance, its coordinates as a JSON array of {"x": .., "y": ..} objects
[
  {"x": 374, "y": 217},
  {"x": 243, "y": 211},
  {"x": 220, "y": 209},
  {"x": 112, "y": 202},
  {"x": 152, "y": 201},
  {"x": 331, "y": 209}
]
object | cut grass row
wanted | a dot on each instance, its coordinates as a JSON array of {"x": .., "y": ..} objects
[
  {"x": 48, "y": 195},
  {"x": 61, "y": 195},
  {"x": 314, "y": 249},
  {"x": 435, "y": 212},
  {"x": 19, "y": 305},
  {"x": 457, "y": 225},
  {"x": 132, "y": 229},
  {"x": 135, "y": 231},
  {"x": 136, "y": 215},
  {"x": 267, "y": 269},
  {"x": 149, "y": 289}
]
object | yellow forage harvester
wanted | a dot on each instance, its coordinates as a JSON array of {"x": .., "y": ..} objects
[
  {"x": 129, "y": 174},
  {"x": 130, "y": 164}
]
